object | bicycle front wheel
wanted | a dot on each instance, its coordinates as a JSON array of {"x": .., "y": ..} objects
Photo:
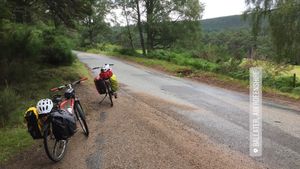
[
  {"x": 55, "y": 149},
  {"x": 81, "y": 118}
]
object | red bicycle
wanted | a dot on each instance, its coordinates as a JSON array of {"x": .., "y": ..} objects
[{"x": 55, "y": 148}]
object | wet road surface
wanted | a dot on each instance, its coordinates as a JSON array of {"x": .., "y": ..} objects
[{"x": 221, "y": 114}]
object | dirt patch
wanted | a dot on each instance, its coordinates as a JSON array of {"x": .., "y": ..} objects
[{"x": 136, "y": 133}]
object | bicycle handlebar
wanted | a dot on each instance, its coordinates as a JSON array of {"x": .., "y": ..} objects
[
  {"x": 98, "y": 67},
  {"x": 72, "y": 84}
]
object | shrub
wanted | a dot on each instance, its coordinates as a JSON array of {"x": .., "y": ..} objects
[
  {"x": 296, "y": 90},
  {"x": 286, "y": 89},
  {"x": 129, "y": 52},
  {"x": 242, "y": 74},
  {"x": 160, "y": 54},
  {"x": 19, "y": 42},
  {"x": 8, "y": 100},
  {"x": 107, "y": 47},
  {"x": 283, "y": 83},
  {"x": 202, "y": 64},
  {"x": 58, "y": 51}
]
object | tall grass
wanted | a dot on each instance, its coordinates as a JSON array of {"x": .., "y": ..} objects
[
  {"x": 217, "y": 61},
  {"x": 9, "y": 102}
]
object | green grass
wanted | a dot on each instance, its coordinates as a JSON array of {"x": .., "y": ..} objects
[
  {"x": 14, "y": 136},
  {"x": 13, "y": 141},
  {"x": 175, "y": 69},
  {"x": 296, "y": 70}
]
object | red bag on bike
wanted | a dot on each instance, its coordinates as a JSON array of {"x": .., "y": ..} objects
[
  {"x": 100, "y": 85},
  {"x": 106, "y": 75}
]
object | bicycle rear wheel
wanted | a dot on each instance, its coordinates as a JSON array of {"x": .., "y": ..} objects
[
  {"x": 110, "y": 94},
  {"x": 55, "y": 149},
  {"x": 81, "y": 118}
]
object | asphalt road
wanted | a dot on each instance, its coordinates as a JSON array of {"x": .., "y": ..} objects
[{"x": 221, "y": 114}]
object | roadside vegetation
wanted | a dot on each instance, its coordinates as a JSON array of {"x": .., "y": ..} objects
[
  {"x": 36, "y": 55},
  {"x": 37, "y": 38},
  {"x": 277, "y": 79},
  {"x": 197, "y": 48}
]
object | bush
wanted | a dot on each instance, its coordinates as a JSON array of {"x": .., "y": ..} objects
[
  {"x": 286, "y": 89},
  {"x": 283, "y": 83},
  {"x": 19, "y": 42},
  {"x": 242, "y": 74},
  {"x": 108, "y": 47},
  {"x": 58, "y": 51},
  {"x": 161, "y": 54},
  {"x": 296, "y": 90},
  {"x": 184, "y": 59},
  {"x": 128, "y": 52},
  {"x": 8, "y": 101},
  {"x": 202, "y": 64}
]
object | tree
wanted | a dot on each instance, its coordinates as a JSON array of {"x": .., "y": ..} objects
[
  {"x": 139, "y": 23},
  {"x": 162, "y": 11},
  {"x": 124, "y": 4},
  {"x": 94, "y": 26},
  {"x": 67, "y": 11},
  {"x": 283, "y": 17}
]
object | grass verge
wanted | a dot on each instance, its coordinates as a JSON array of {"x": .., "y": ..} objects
[
  {"x": 203, "y": 76},
  {"x": 14, "y": 136}
]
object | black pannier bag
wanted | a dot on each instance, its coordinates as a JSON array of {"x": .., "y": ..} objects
[
  {"x": 63, "y": 124},
  {"x": 100, "y": 85},
  {"x": 31, "y": 118}
]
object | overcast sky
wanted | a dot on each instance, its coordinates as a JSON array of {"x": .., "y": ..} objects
[
  {"x": 213, "y": 9},
  {"x": 217, "y": 8}
]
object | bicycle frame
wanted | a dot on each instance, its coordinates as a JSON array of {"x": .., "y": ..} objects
[{"x": 67, "y": 104}]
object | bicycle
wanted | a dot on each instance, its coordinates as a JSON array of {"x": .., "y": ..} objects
[
  {"x": 69, "y": 103},
  {"x": 108, "y": 89}
]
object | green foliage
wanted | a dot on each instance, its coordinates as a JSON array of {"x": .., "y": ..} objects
[
  {"x": 107, "y": 47},
  {"x": 58, "y": 51},
  {"x": 8, "y": 104},
  {"x": 233, "y": 69},
  {"x": 126, "y": 51},
  {"x": 296, "y": 90},
  {"x": 16, "y": 38},
  {"x": 233, "y": 22},
  {"x": 184, "y": 59},
  {"x": 283, "y": 18},
  {"x": 13, "y": 141},
  {"x": 283, "y": 83},
  {"x": 286, "y": 89}
]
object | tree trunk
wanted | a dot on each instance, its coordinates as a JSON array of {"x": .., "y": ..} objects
[
  {"x": 140, "y": 27},
  {"x": 128, "y": 28},
  {"x": 90, "y": 30},
  {"x": 150, "y": 33}
]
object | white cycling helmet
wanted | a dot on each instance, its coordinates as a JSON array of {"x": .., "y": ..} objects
[
  {"x": 105, "y": 68},
  {"x": 44, "y": 106}
]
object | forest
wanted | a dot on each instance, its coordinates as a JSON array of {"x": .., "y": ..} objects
[{"x": 38, "y": 36}]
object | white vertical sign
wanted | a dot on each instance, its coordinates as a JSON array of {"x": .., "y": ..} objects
[{"x": 255, "y": 126}]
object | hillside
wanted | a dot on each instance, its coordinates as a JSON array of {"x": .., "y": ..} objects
[{"x": 222, "y": 23}]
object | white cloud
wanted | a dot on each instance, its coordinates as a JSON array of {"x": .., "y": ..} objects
[{"x": 218, "y": 8}]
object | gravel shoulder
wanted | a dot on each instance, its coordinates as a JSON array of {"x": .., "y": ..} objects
[{"x": 140, "y": 131}]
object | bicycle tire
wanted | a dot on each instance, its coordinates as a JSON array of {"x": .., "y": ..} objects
[
  {"x": 52, "y": 155},
  {"x": 81, "y": 118},
  {"x": 110, "y": 94}
]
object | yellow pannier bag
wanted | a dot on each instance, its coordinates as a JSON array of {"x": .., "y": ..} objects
[
  {"x": 114, "y": 83},
  {"x": 32, "y": 120}
]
